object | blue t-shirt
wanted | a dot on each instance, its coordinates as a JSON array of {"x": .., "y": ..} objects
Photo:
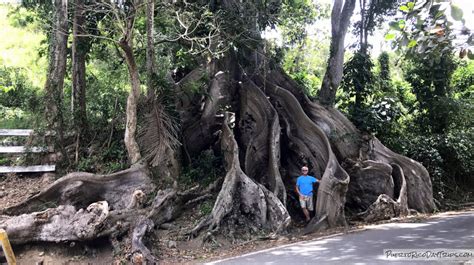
[{"x": 305, "y": 184}]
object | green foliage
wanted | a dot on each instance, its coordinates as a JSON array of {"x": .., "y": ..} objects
[
  {"x": 205, "y": 208},
  {"x": 424, "y": 149},
  {"x": 430, "y": 83},
  {"x": 295, "y": 16},
  {"x": 16, "y": 91},
  {"x": 5, "y": 161},
  {"x": 359, "y": 83},
  {"x": 447, "y": 157},
  {"x": 306, "y": 62},
  {"x": 22, "y": 71},
  {"x": 107, "y": 89},
  {"x": 303, "y": 52},
  {"x": 19, "y": 100},
  {"x": 23, "y": 18},
  {"x": 462, "y": 81},
  {"x": 358, "y": 77},
  {"x": 308, "y": 81},
  {"x": 428, "y": 31},
  {"x": 204, "y": 169},
  {"x": 372, "y": 15},
  {"x": 383, "y": 116},
  {"x": 104, "y": 159},
  {"x": 434, "y": 128},
  {"x": 20, "y": 44},
  {"x": 16, "y": 118},
  {"x": 384, "y": 77}
]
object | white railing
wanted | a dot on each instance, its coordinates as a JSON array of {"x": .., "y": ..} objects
[{"x": 23, "y": 149}]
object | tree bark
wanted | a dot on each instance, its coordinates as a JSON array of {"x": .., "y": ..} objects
[
  {"x": 80, "y": 47},
  {"x": 126, "y": 44},
  {"x": 83, "y": 207},
  {"x": 56, "y": 71},
  {"x": 240, "y": 196},
  {"x": 260, "y": 130},
  {"x": 340, "y": 20},
  {"x": 351, "y": 144},
  {"x": 150, "y": 52},
  {"x": 317, "y": 136}
]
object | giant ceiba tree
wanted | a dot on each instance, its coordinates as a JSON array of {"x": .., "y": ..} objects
[{"x": 266, "y": 129}]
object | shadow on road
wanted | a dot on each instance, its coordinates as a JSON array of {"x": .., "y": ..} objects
[{"x": 367, "y": 247}]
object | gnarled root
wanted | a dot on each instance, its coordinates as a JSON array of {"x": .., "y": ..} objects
[
  {"x": 385, "y": 207},
  {"x": 242, "y": 196},
  {"x": 260, "y": 139},
  {"x": 309, "y": 140},
  {"x": 112, "y": 218},
  {"x": 63, "y": 223},
  {"x": 80, "y": 189}
]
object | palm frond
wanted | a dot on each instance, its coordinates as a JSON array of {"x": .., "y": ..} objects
[{"x": 159, "y": 134}]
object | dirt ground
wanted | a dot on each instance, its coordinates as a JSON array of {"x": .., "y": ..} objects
[{"x": 170, "y": 243}]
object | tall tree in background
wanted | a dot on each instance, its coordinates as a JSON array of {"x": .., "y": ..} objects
[
  {"x": 159, "y": 136},
  {"x": 340, "y": 19},
  {"x": 56, "y": 71},
  {"x": 150, "y": 46},
  {"x": 80, "y": 48},
  {"x": 372, "y": 14},
  {"x": 359, "y": 80},
  {"x": 126, "y": 16}
]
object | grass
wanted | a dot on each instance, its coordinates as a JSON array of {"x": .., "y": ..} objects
[
  {"x": 19, "y": 47},
  {"x": 15, "y": 118}
]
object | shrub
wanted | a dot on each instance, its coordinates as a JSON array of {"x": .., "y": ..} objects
[{"x": 204, "y": 169}]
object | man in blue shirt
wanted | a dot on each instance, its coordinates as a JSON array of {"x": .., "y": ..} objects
[{"x": 304, "y": 187}]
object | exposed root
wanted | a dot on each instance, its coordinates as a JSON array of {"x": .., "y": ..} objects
[
  {"x": 260, "y": 138},
  {"x": 349, "y": 143},
  {"x": 140, "y": 253},
  {"x": 385, "y": 207},
  {"x": 241, "y": 195},
  {"x": 68, "y": 222},
  {"x": 63, "y": 223},
  {"x": 369, "y": 179},
  {"x": 306, "y": 135},
  {"x": 80, "y": 189}
]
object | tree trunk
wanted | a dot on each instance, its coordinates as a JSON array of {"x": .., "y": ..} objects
[
  {"x": 310, "y": 134},
  {"x": 56, "y": 71},
  {"x": 340, "y": 19},
  {"x": 80, "y": 47},
  {"x": 241, "y": 199},
  {"x": 150, "y": 52},
  {"x": 126, "y": 44}
]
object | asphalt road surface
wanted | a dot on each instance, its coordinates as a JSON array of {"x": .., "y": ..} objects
[{"x": 443, "y": 233}]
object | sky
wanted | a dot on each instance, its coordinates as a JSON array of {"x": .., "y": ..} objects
[{"x": 468, "y": 9}]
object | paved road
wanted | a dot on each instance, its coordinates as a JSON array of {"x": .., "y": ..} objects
[{"x": 367, "y": 247}]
